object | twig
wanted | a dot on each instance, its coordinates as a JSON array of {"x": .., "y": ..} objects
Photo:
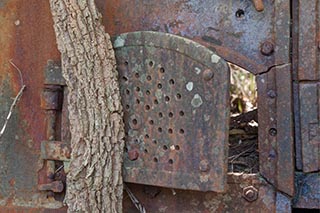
[
  {"x": 19, "y": 71},
  {"x": 15, "y": 101},
  {"x": 234, "y": 157},
  {"x": 134, "y": 200}
]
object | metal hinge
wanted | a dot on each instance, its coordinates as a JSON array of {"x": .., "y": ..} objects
[{"x": 55, "y": 153}]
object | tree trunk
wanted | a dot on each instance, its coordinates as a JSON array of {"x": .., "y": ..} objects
[{"x": 94, "y": 183}]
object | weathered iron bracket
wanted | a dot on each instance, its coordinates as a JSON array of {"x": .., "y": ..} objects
[{"x": 51, "y": 102}]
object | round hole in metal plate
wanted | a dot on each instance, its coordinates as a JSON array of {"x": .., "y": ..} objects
[
  {"x": 181, "y": 131},
  {"x": 145, "y": 151},
  {"x": 154, "y": 141},
  {"x": 126, "y": 63},
  {"x": 177, "y": 147},
  {"x": 149, "y": 78},
  {"x": 135, "y": 121},
  {"x": 171, "y": 81},
  {"x": 137, "y": 75},
  {"x": 167, "y": 98},
  {"x": 151, "y": 122},
  {"x": 151, "y": 63},
  {"x": 148, "y": 92},
  {"x": 147, "y": 136},
  {"x": 138, "y": 101},
  {"x": 178, "y": 96},
  {"x": 159, "y": 129},
  {"x": 155, "y": 160},
  {"x": 124, "y": 78},
  {"x": 165, "y": 147},
  {"x": 181, "y": 113},
  {"x": 156, "y": 101},
  {"x": 160, "y": 114},
  {"x": 162, "y": 70},
  {"x": 170, "y": 131},
  {"x": 127, "y": 91},
  {"x": 127, "y": 106},
  {"x": 170, "y": 161},
  {"x": 159, "y": 86},
  {"x": 147, "y": 107},
  {"x": 137, "y": 89},
  {"x": 170, "y": 114}
]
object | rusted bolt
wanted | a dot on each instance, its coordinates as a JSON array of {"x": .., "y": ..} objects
[
  {"x": 208, "y": 74},
  {"x": 267, "y": 48},
  {"x": 250, "y": 193},
  {"x": 273, "y": 131},
  {"x": 204, "y": 166},
  {"x": 133, "y": 154},
  {"x": 258, "y": 4},
  {"x": 272, "y": 93}
]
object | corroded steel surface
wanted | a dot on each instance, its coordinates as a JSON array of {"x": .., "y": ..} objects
[
  {"x": 55, "y": 150},
  {"x": 157, "y": 199},
  {"x": 27, "y": 38},
  {"x": 274, "y": 110},
  {"x": 310, "y": 126},
  {"x": 240, "y": 34},
  {"x": 234, "y": 29},
  {"x": 308, "y": 191},
  {"x": 175, "y": 94},
  {"x": 309, "y": 40},
  {"x": 307, "y": 98}
]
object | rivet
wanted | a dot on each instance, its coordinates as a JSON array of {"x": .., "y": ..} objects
[
  {"x": 133, "y": 154},
  {"x": 272, "y": 93},
  {"x": 273, "y": 131},
  {"x": 208, "y": 74},
  {"x": 267, "y": 48},
  {"x": 204, "y": 166}
]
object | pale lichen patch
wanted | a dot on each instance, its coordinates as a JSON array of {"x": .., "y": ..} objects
[
  {"x": 119, "y": 42},
  {"x": 189, "y": 86},
  {"x": 196, "y": 101},
  {"x": 215, "y": 58},
  {"x": 198, "y": 70}
]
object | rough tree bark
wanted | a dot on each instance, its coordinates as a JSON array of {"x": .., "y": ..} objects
[{"x": 94, "y": 183}]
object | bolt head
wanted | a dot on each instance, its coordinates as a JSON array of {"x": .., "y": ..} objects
[
  {"x": 272, "y": 93},
  {"x": 250, "y": 193},
  {"x": 133, "y": 154},
  {"x": 208, "y": 75},
  {"x": 204, "y": 166},
  {"x": 267, "y": 48},
  {"x": 273, "y": 131}
]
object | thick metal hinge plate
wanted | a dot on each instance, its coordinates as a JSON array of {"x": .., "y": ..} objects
[{"x": 175, "y": 94}]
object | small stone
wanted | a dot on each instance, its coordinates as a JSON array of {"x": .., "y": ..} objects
[{"x": 17, "y": 22}]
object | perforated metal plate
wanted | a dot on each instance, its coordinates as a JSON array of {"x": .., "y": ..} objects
[{"x": 175, "y": 94}]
